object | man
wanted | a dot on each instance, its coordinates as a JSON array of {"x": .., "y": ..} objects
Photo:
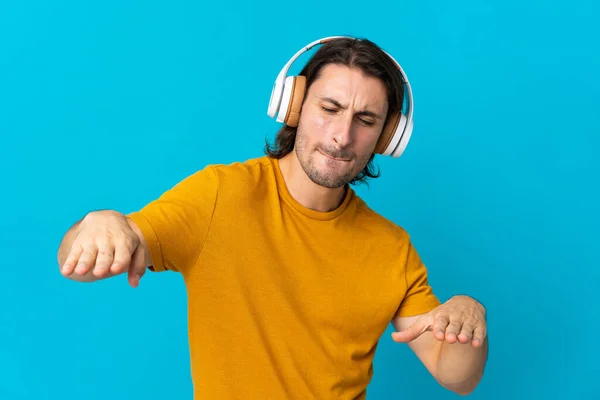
[{"x": 291, "y": 278}]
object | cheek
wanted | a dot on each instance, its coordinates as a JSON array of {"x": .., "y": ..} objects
[
  {"x": 366, "y": 139},
  {"x": 319, "y": 122},
  {"x": 315, "y": 125}
]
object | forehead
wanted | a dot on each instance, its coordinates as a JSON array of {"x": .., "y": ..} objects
[{"x": 350, "y": 85}]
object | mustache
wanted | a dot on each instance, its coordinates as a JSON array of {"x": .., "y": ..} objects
[{"x": 336, "y": 153}]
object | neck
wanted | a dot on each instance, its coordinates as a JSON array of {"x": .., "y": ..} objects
[{"x": 305, "y": 191}]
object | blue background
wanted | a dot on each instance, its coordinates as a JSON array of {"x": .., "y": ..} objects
[{"x": 107, "y": 104}]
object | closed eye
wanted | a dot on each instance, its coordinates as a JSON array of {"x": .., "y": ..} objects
[{"x": 333, "y": 110}]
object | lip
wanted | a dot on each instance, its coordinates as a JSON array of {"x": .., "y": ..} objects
[{"x": 333, "y": 158}]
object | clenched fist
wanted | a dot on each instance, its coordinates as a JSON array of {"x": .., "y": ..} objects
[{"x": 103, "y": 244}]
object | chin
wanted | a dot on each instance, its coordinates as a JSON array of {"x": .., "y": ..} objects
[
  {"x": 327, "y": 181},
  {"x": 328, "y": 174}
]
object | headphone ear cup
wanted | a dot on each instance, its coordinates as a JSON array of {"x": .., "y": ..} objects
[
  {"x": 395, "y": 136},
  {"x": 388, "y": 133},
  {"x": 296, "y": 99},
  {"x": 291, "y": 100},
  {"x": 404, "y": 139}
]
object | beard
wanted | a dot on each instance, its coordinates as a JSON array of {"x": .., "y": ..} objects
[{"x": 329, "y": 178}]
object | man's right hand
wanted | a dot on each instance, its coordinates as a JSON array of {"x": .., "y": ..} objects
[{"x": 101, "y": 245}]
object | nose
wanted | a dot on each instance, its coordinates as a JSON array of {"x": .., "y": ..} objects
[{"x": 343, "y": 132}]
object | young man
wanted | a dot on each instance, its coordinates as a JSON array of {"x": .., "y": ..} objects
[{"x": 291, "y": 278}]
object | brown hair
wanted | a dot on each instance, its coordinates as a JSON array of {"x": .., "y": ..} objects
[{"x": 354, "y": 53}]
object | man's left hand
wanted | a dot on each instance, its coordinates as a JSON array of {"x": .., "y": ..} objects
[{"x": 461, "y": 318}]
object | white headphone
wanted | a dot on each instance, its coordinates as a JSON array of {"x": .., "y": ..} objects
[{"x": 288, "y": 93}]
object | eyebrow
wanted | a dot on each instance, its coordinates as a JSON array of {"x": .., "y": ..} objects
[{"x": 366, "y": 113}]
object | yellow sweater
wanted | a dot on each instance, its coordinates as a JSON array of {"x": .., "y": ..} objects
[{"x": 284, "y": 302}]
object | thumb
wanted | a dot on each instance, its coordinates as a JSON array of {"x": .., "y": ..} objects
[
  {"x": 414, "y": 331},
  {"x": 137, "y": 267}
]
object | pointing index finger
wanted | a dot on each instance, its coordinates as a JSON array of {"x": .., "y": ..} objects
[{"x": 412, "y": 332}]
